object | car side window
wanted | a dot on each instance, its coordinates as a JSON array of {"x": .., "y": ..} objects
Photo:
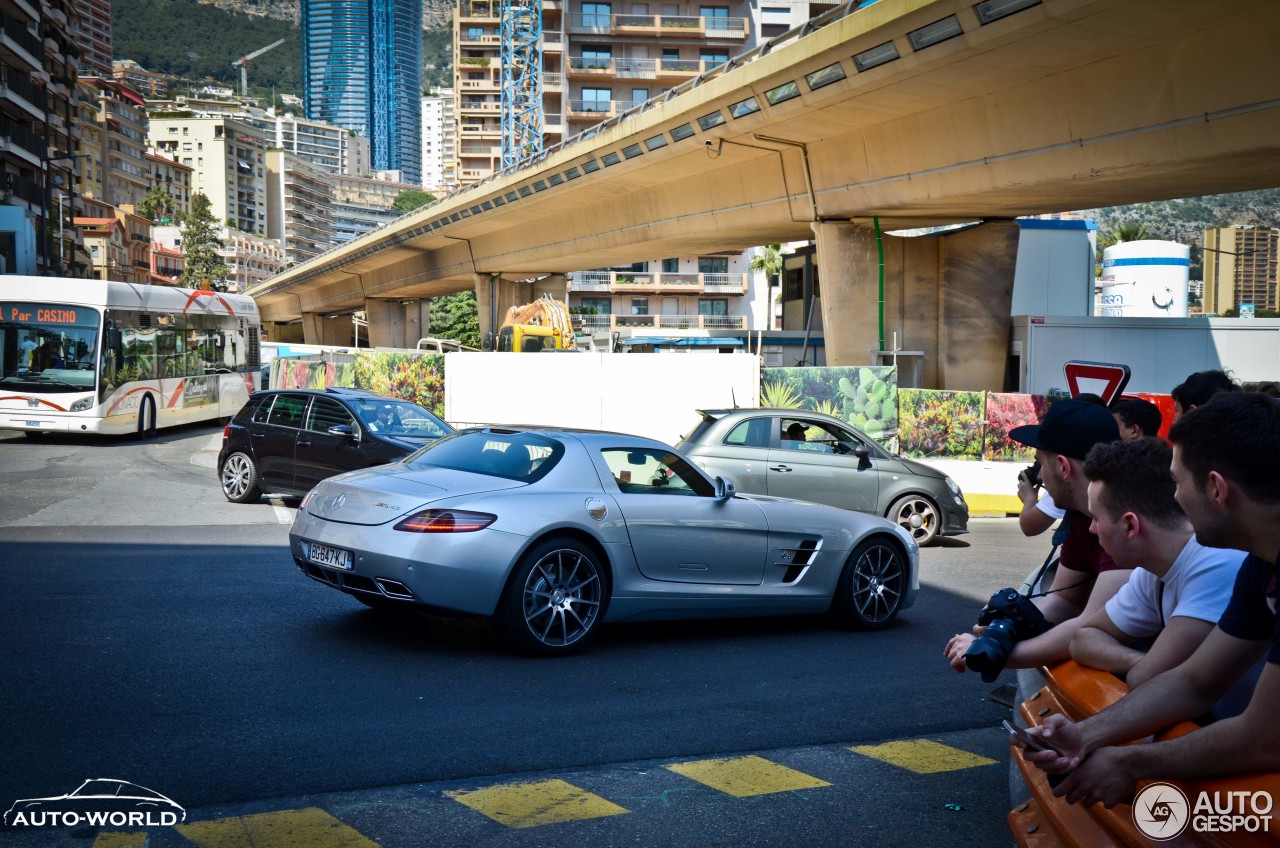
[
  {"x": 263, "y": 411},
  {"x": 326, "y": 413},
  {"x": 287, "y": 411},
  {"x": 654, "y": 472},
  {"x": 752, "y": 433}
]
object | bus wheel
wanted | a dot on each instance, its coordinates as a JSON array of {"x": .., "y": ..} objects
[{"x": 147, "y": 418}]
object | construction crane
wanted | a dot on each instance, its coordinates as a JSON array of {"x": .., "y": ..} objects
[
  {"x": 243, "y": 62},
  {"x": 521, "y": 43}
]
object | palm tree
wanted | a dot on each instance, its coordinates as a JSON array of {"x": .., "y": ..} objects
[
  {"x": 1113, "y": 235},
  {"x": 769, "y": 260}
]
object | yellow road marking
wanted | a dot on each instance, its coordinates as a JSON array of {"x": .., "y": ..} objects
[
  {"x": 520, "y": 805},
  {"x": 922, "y": 756},
  {"x": 743, "y": 777},
  {"x": 308, "y": 828},
  {"x": 120, "y": 840}
]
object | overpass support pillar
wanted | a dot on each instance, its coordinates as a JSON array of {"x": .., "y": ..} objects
[
  {"x": 319, "y": 330},
  {"x": 396, "y": 324},
  {"x": 556, "y": 285},
  {"x": 494, "y": 296},
  {"x": 946, "y": 296}
]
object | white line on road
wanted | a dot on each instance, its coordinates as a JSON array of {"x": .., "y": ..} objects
[{"x": 284, "y": 515}]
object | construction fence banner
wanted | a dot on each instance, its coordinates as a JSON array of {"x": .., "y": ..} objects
[{"x": 415, "y": 377}]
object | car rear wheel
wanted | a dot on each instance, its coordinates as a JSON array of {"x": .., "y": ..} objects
[
  {"x": 239, "y": 477},
  {"x": 872, "y": 585},
  {"x": 917, "y": 515},
  {"x": 555, "y": 599}
]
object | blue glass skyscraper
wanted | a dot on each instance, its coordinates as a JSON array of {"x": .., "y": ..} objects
[{"x": 362, "y": 70}]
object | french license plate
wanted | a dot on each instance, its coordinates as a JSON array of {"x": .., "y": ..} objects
[{"x": 332, "y": 557}]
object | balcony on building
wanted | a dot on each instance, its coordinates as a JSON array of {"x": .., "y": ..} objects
[
  {"x": 603, "y": 323},
  {"x": 20, "y": 42},
  {"x": 661, "y": 26},
  {"x": 17, "y": 89},
  {"x": 651, "y": 282}
]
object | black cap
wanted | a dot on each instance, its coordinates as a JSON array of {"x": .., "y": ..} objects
[{"x": 1070, "y": 427}]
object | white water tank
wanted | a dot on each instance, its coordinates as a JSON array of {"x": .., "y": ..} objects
[{"x": 1145, "y": 279}]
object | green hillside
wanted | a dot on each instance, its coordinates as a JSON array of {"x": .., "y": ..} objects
[{"x": 191, "y": 41}]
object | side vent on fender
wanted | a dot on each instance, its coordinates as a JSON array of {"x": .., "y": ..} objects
[{"x": 795, "y": 560}]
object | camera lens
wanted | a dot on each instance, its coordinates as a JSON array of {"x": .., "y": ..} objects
[{"x": 990, "y": 651}]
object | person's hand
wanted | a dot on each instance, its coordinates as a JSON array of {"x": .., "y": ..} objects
[
  {"x": 1064, "y": 737},
  {"x": 1027, "y": 493},
  {"x": 1105, "y": 777},
  {"x": 956, "y": 649}
]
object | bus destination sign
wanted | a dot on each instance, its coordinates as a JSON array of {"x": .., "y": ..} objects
[{"x": 24, "y": 313}]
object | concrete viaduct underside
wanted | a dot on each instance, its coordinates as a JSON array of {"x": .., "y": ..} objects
[{"x": 1067, "y": 104}]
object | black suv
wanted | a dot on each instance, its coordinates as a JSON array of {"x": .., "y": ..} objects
[{"x": 288, "y": 440}]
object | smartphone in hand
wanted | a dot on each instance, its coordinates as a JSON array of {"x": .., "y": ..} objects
[{"x": 1035, "y": 743}]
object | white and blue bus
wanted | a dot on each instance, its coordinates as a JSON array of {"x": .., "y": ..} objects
[{"x": 103, "y": 357}]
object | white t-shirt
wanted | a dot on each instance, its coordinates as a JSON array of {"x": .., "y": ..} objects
[
  {"x": 1197, "y": 586},
  {"x": 1048, "y": 507}
]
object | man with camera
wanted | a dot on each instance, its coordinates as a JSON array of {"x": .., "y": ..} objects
[
  {"x": 1012, "y": 631},
  {"x": 1178, "y": 587},
  {"x": 1226, "y": 465}
]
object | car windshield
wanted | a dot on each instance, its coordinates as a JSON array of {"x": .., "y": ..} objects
[
  {"x": 497, "y": 453},
  {"x": 399, "y": 418}
]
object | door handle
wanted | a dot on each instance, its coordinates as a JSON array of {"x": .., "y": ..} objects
[
  {"x": 779, "y": 467},
  {"x": 303, "y": 444},
  {"x": 259, "y": 435}
]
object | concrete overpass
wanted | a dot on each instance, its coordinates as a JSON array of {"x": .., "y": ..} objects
[{"x": 912, "y": 111}]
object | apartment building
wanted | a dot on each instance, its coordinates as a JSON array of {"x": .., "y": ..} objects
[
  {"x": 147, "y": 83},
  {"x": 229, "y": 161},
  {"x": 37, "y": 122},
  {"x": 167, "y": 173},
  {"x": 252, "y": 259},
  {"x": 299, "y": 206},
  {"x": 94, "y": 37},
  {"x": 439, "y": 142},
  {"x": 361, "y": 205},
  {"x": 599, "y": 60},
  {"x": 121, "y": 120},
  {"x": 1240, "y": 267}
]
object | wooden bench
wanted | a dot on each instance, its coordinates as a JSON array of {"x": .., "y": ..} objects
[{"x": 1049, "y": 822}]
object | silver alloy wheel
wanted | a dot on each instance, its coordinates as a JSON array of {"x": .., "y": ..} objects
[
  {"x": 237, "y": 475},
  {"x": 561, "y": 597},
  {"x": 918, "y": 516},
  {"x": 878, "y": 583}
]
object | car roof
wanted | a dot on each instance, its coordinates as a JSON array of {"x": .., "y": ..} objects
[
  {"x": 589, "y": 437},
  {"x": 777, "y": 412}
]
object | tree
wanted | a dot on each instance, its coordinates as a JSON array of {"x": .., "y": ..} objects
[
  {"x": 407, "y": 201},
  {"x": 156, "y": 205},
  {"x": 1123, "y": 231},
  {"x": 769, "y": 260},
  {"x": 456, "y": 316},
  {"x": 200, "y": 246}
]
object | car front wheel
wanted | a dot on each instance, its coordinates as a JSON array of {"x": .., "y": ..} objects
[
  {"x": 239, "y": 477},
  {"x": 555, "y": 599},
  {"x": 871, "y": 586},
  {"x": 917, "y": 515}
]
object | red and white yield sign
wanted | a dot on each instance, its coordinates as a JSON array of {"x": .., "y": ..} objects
[{"x": 1105, "y": 379}]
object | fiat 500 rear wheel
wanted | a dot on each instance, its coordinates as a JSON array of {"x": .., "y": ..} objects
[
  {"x": 871, "y": 586},
  {"x": 555, "y": 599}
]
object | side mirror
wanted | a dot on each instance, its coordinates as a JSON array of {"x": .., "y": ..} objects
[
  {"x": 725, "y": 489},
  {"x": 343, "y": 430},
  {"x": 861, "y": 451}
]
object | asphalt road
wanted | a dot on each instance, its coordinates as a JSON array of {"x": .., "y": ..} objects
[{"x": 156, "y": 633}]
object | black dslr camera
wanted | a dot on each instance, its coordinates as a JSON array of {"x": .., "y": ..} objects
[
  {"x": 1009, "y": 617},
  {"x": 1032, "y": 475}
]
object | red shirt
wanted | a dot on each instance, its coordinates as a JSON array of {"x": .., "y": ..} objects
[{"x": 1082, "y": 551}]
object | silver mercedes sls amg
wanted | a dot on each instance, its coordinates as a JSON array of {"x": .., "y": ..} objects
[{"x": 551, "y": 533}]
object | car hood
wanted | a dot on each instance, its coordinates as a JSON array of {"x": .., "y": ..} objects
[
  {"x": 388, "y": 492},
  {"x": 920, "y": 468}
]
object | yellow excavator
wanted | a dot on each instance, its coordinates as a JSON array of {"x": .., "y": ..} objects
[{"x": 542, "y": 325}]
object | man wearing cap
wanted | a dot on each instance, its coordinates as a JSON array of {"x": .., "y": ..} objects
[{"x": 1087, "y": 577}]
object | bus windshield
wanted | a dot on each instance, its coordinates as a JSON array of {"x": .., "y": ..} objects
[{"x": 48, "y": 347}]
